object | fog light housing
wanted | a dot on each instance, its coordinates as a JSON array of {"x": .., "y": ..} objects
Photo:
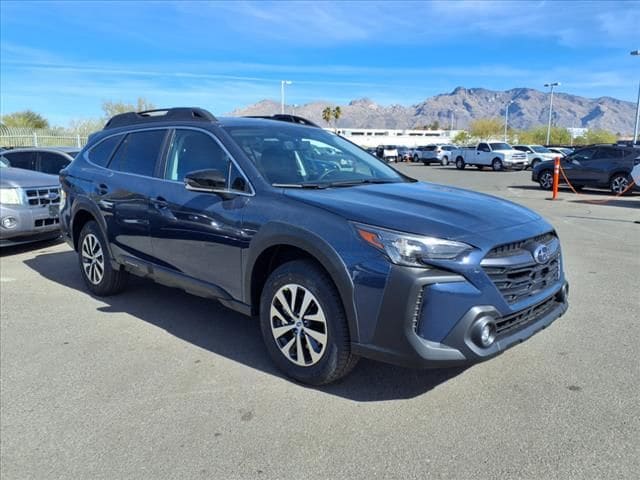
[
  {"x": 9, "y": 222},
  {"x": 483, "y": 332}
]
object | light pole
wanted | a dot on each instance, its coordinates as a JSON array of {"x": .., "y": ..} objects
[
  {"x": 282, "y": 84},
  {"x": 635, "y": 130},
  {"x": 506, "y": 120},
  {"x": 554, "y": 84}
]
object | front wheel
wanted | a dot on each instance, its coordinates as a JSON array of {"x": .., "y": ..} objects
[
  {"x": 460, "y": 163},
  {"x": 444, "y": 162},
  {"x": 415, "y": 158},
  {"x": 496, "y": 164},
  {"x": 620, "y": 184},
  {"x": 95, "y": 264},
  {"x": 303, "y": 324},
  {"x": 545, "y": 179}
]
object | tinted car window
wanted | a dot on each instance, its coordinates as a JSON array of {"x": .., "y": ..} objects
[
  {"x": 584, "y": 154},
  {"x": 483, "y": 147},
  {"x": 101, "y": 153},
  {"x": 190, "y": 151},
  {"x": 26, "y": 160},
  {"x": 236, "y": 180},
  {"x": 138, "y": 152},
  {"x": 608, "y": 153},
  {"x": 52, "y": 163}
]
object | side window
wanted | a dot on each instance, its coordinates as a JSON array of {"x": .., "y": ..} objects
[
  {"x": 608, "y": 153},
  {"x": 138, "y": 152},
  {"x": 522, "y": 149},
  {"x": 191, "y": 150},
  {"x": 236, "y": 180},
  {"x": 483, "y": 147},
  {"x": 101, "y": 153},
  {"x": 26, "y": 160},
  {"x": 52, "y": 163},
  {"x": 584, "y": 154}
]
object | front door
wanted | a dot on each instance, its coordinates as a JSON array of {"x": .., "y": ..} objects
[{"x": 198, "y": 234}]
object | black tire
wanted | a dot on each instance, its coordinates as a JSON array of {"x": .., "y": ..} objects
[
  {"x": 497, "y": 165},
  {"x": 460, "y": 163},
  {"x": 444, "y": 162},
  {"x": 545, "y": 179},
  {"x": 480, "y": 167},
  {"x": 620, "y": 183},
  {"x": 425, "y": 163},
  {"x": 336, "y": 359},
  {"x": 111, "y": 281},
  {"x": 416, "y": 159}
]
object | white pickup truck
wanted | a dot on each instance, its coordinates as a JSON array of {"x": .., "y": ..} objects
[{"x": 497, "y": 155}]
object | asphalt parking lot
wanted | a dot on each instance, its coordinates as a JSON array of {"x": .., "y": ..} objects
[{"x": 155, "y": 383}]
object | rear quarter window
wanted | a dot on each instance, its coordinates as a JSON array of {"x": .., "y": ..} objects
[{"x": 101, "y": 153}]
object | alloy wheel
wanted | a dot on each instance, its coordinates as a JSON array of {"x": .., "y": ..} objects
[
  {"x": 546, "y": 180},
  {"x": 619, "y": 184},
  {"x": 92, "y": 259},
  {"x": 298, "y": 325}
]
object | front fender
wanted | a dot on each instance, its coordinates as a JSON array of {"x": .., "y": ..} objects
[{"x": 275, "y": 234}]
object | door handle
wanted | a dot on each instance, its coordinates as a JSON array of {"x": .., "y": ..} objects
[
  {"x": 159, "y": 202},
  {"x": 102, "y": 189}
]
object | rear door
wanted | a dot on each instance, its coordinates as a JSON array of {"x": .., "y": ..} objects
[
  {"x": 199, "y": 234},
  {"x": 605, "y": 161},
  {"x": 123, "y": 191}
]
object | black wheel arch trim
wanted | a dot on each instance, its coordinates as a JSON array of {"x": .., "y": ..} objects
[
  {"x": 282, "y": 234},
  {"x": 85, "y": 204}
]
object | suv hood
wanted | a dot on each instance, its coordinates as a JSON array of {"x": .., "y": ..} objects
[
  {"x": 420, "y": 208},
  {"x": 17, "y": 177}
]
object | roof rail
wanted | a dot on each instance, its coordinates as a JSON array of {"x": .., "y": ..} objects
[
  {"x": 285, "y": 117},
  {"x": 160, "y": 115}
]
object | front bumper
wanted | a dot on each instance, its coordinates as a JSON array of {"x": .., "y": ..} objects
[
  {"x": 427, "y": 319},
  {"x": 31, "y": 224}
]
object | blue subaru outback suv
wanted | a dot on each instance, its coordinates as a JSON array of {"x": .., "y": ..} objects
[{"x": 339, "y": 255}]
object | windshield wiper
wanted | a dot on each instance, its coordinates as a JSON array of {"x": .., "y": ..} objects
[
  {"x": 362, "y": 181},
  {"x": 299, "y": 185}
]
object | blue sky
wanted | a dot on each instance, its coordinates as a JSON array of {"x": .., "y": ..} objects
[{"x": 63, "y": 59}]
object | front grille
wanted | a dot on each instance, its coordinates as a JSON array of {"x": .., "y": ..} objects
[
  {"x": 45, "y": 222},
  {"x": 43, "y": 196},
  {"x": 519, "y": 156},
  {"x": 513, "y": 270},
  {"x": 515, "y": 248},
  {"x": 524, "y": 317}
]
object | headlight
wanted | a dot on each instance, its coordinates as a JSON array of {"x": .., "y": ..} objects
[
  {"x": 10, "y": 196},
  {"x": 411, "y": 250}
]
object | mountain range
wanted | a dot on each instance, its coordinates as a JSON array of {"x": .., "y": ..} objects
[{"x": 457, "y": 109}]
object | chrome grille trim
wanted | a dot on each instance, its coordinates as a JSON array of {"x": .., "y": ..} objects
[{"x": 39, "y": 196}]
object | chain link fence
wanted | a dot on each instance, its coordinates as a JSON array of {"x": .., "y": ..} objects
[{"x": 29, "y": 137}]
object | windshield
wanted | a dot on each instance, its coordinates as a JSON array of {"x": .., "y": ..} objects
[
  {"x": 295, "y": 156},
  {"x": 540, "y": 149},
  {"x": 500, "y": 146}
]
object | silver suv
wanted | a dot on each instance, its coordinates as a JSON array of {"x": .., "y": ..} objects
[{"x": 29, "y": 206}]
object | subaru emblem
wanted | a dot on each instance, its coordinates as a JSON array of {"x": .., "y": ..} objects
[{"x": 541, "y": 254}]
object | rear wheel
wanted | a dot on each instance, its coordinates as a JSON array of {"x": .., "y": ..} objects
[
  {"x": 444, "y": 162},
  {"x": 460, "y": 163},
  {"x": 620, "y": 183},
  {"x": 95, "y": 264},
  {"x": 545, "y": 179},
  {"x": 415, "y": 158},
  {"x": 496, "y": 164},
  {"x": 303, "y": 324},
  {"x": 425, "y": 163}
]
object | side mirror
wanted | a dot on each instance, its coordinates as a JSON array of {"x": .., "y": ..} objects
[{"x": 205, "y": 181}]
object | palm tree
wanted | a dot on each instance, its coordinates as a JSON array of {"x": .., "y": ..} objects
[
  {"x": 337, "y": 113},
  {"x": 326, "y": 115}
]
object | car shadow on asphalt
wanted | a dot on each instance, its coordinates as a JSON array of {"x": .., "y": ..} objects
[{"x": 210, "y": 326}]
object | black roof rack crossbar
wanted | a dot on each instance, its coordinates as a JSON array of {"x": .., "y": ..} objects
[
  {"x": 160, "y": 115},
  {"x": 285, "y": 117}
]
